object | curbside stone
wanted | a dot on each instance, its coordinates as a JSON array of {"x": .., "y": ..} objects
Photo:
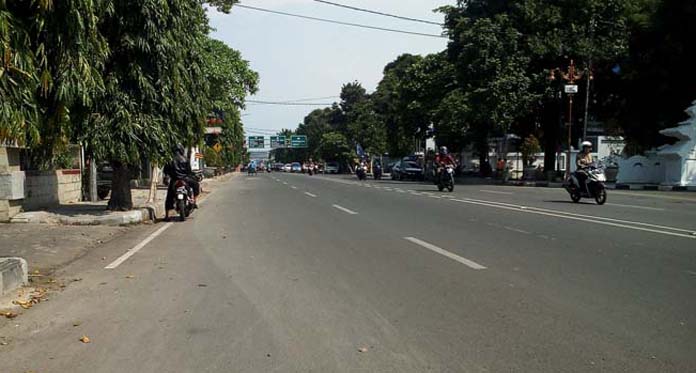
[{"x": 14, "y": 273}]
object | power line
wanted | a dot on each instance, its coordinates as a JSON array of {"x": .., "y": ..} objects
[
  {"x": 339, "y": 22},
  {"x": 379, "y": 13},
  {"x": 300, "y": 99},
  {"x": 289, "y": 103}
]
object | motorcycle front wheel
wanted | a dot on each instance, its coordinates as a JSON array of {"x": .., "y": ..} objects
[
  {"x": 575, "y": 196},
  {"x": 601, "y": 197}
]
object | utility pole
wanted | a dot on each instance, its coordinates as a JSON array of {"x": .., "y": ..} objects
[{"x": 570, "y": 76}]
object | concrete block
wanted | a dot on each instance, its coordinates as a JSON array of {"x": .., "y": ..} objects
[
  {"x": 13, "y": 274},
  {"x": 12, "y": 185}
]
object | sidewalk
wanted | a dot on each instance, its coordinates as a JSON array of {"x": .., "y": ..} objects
[
  {"x": 48, "y": 240},
  {"x": 95, "y": 213}
]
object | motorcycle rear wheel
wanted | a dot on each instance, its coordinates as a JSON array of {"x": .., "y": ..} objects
[
  {"x": 182, "y": 210},
  {"x": 601, "y": 197}
]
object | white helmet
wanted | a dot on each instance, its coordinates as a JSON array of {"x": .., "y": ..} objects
[{"x": 586, "y": 143}]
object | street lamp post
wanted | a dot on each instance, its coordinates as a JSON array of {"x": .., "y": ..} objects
[{"x": 570, "y": 76}]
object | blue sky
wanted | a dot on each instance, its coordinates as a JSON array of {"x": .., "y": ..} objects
[{"x": 300, "y": 59}]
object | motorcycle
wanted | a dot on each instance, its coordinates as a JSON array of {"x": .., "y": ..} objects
[
  {"x": 446, "y": 178},
  {"x": 595, "y": 187},
  {"x": 377, "y": 172},
  {"x": 310, "y": 170},
  {"x": 361, "y": 172},
  {"x": 184, "y": 199}
]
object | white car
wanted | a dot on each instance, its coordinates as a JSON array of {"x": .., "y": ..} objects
[{"x": 287, "y": 167}]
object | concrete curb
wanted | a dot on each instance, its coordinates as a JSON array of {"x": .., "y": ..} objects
[
  {"x": 14, "y": 273},
  {"x": 663, "y": 188}
]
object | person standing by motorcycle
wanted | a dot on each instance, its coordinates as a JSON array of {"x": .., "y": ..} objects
[
  {"x": 179, "y": 169},
  {"x": 443, "y": 159},
  {"x": 582, "y": 163}
]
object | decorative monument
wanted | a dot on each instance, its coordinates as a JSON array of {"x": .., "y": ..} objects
[{"x": 668, "y": 164}]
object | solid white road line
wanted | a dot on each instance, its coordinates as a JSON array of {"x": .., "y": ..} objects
[
  {"x": 493, "y": 191},
  {"x": 137, "y": 247},
  {"x": 636, "y": 207},
  {"x": 585, "y": 218},
  {"x": 351, "y": 212},
  {"x": 310, "y": 194},
  {"x": 469, "y": 263}
]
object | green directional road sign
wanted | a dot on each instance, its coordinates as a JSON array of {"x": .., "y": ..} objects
[
  {"x": 256, "y": 142},
  {"x": 299, "y": 141},
  {"x": 277, "y": 142}
]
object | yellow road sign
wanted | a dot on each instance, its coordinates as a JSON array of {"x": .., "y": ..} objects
[{"x": 217, "y": 147}]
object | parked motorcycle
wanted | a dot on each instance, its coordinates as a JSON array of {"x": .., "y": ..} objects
[
  {"x": 595, "y": 185},
  {"x": 377, "y": 172},
  {"x": 446, "y": 178}
]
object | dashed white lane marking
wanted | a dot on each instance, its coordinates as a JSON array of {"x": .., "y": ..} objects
[
  {"x": 517, "y": 230},
  {"x": 293, "y": 187},
  {"x": 691, "y": 272},
  {"x": 347, "y": 211},
  {"x": 310, "y": 194},
  {"x": 137, "y": 247},
  {"x": 494, "y": 191},
  {"x": 285, "y": 183},
  {"x": 469, "y": 263},
  {"x": 637, "y": 207}
]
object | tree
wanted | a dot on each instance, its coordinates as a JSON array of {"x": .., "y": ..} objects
[
  {"x": 334, "y": 147},
  {"x": 491, "y": 71},
  {"x": 155, "y": 88},
  {"x": 53, "y": 54},
  {"x": 655, "y": 81},
  {"x": 230, "y": 80},
  {"x": 391, "y": 106}
]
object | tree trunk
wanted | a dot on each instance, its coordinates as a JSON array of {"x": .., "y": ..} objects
[
  {"x": 121, "y": 199},
  {"x": 154, "y": 178}
]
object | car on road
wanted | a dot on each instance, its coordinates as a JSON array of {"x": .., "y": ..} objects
[
  {"x": 296, "y": 167},
  {"x": 407, "y": 170},
  {"x": 287, "y": 167},
  {"x": 331, "y": 168}
]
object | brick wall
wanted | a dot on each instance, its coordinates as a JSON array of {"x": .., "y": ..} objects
[{"x": 44, "y": 189}]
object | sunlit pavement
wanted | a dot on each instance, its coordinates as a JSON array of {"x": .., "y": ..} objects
[{"x": 291, "y": 273}]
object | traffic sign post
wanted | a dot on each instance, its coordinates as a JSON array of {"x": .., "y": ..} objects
[
  {"x": 217, "y": 147},
  {"x": 298, "y": 141},
  {"x": 278, "y": 142},
  {"x": 256, "y": 142}
]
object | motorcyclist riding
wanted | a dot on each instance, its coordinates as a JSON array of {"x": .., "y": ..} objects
[
  {"x": 582, "y": 163},
  {"x": 179, "y": 169},
  {"x": 442, "y": 159}
]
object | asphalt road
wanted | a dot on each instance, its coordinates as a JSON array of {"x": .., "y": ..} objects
[{"x": 293, "y": 273}]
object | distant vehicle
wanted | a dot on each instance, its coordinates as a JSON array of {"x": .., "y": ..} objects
[
  {"x": 296, "y": 167},
  {"x": 278, "y": 167},
  {"x": 287, "y": 167},
  {"x": 407, "y": 170},
  {"x": 390, "y": 167},
  {"x": 331, "y": 168}
]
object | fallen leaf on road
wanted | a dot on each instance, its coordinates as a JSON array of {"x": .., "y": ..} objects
[
  {"x": 362, "y": 349},
  {"x": 77, "y": 323},
  {"x": 130, "y": 276},
  {"x": 85, "y": 339},
  {"x": 8, "y": 314},
  {"x": 76, "y": 279},
  {"x": 202, "y": 285},
  {"x": 103, "y": 258}
]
